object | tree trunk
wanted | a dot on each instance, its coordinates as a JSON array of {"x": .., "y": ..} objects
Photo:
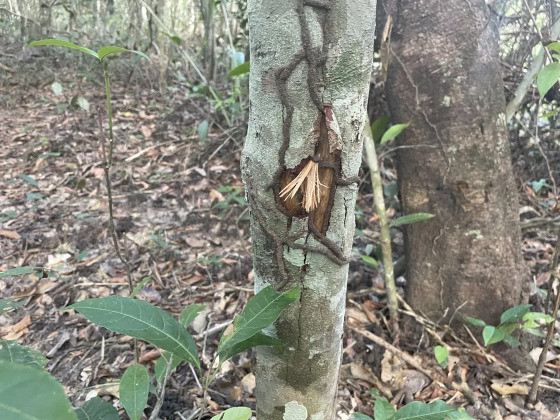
[
  {"x": 310, "y": 68},
  {"x": 444, "y": 78},
  {"x": 207, "y": 9}
]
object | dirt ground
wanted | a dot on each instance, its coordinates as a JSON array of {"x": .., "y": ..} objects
[{"x": 178, "y": 200}]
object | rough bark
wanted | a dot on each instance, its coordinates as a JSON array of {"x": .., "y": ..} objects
[
  {"x": 304, "y": 56},
  {"x": 444, "y": 78}
]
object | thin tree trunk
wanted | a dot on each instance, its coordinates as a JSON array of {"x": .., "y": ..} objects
[
  {"x": 207, "y": 9},
  {"x": 444, "y": 77},
  {"x": 310, "y": 69}
]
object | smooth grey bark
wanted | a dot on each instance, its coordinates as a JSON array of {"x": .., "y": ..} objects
[
  {"x": 289, "y": 85},
  {"x": 207, "y": 9},
  {"x": 444, "y": 78}
]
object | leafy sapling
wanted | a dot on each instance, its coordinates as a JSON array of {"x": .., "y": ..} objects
[
  {"x": 516, "y": 318},
  {"x": 39, "y": 395}
]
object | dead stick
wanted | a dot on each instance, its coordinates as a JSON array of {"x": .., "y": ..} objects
[{"x": 389, "y": 347}]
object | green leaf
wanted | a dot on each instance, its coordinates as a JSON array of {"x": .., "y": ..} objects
[
  {"x": 547, "y": 77},
  {"x": 18, "y": 271},
  {"x": 512, "y": 341},
  {"x": 161, "y": 365},
  {"x": 359, "y": 416},
  {"x": 97, "y": 409},
  {"x": 530, "y": 319},
  {"x": 261, "y": 312},
  {"x": 492, "y": 335},
  {"x": 9, "y": 303},
  {"x": 30, "y": 180},
  {"x": 384, "y": 410},
  {"x": 234, "y": 413},
  {"x": 82, "y": 103},
  {"x": 514, "y": 314},
  {"x": 139, "y": 286},
  {"x": 554, "y": 46},
  {"x": 177, "y": 40},
  {"x": 141, "y": 320},
  {"x": 379, "y": 127},
  {"x": 12, "y": 351},
  {"x": 190, "y": 313},
  {"x": 105, "y": 51},
  {"x": 259, "y": 339},
  {"x": 476, "y": 321},
  {"x": 411, "y": 218},
  {"x": 393, "y": 132},
  {"x": 134, "y": 389},
  {"x": 442, "y": 355},
  {"x": 460, "y": 414},
  {"x": 56, "y": 88},
  {"x": 239, "y": 70},
  {"x": 203, "y": 130},
  {"x": 31, "y": 394},
  {"x": 436, "y": 410},
  {"x": 369, "y": 260},
  {"x": 66, "y": 44}
]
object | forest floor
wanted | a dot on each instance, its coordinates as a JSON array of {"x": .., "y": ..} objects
[{"x": 178, "y": 199}]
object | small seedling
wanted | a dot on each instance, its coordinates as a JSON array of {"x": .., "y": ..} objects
[{"x": 511, "y": 320}]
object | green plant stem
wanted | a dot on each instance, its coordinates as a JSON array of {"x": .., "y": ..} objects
[
  {"x": 388, "y": 270},
  {"x": 109, "y": 111}
]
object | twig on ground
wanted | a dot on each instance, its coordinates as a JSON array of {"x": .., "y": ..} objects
[{"x": 397, "y": 352}]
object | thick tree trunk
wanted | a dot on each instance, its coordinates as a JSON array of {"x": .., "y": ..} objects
[
  {"x": 310, "y": 69},
  {"x": 444, "y": 78}
]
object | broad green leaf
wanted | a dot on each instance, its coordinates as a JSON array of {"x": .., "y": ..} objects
[
  {"x": 384, "y": 410},
  {"x": 234, "y": 413},
  {"x": 141, "y": 320},
  {"x": 261, "y": 312},
  {"x": 437, "y": 410},
  {"x": 187, "y": 316},
  {"x": 460, "y": 414},
  {"x": 259, "y": 339},
  {"x": 411, "y": 218},
  {"x": 20, "y": 270},
  {"x": 56, "y": 88},
  {"x": 554, "y": 46},
  {"x": 530, "y": 320},
  {"x": 29, "y": 179},
  {"x": 547, "y": 77},
  {"x": 105, "y": 51},
  {"x": 134, "y": 389},
  {"x": 97, "y": 409},
  {"x": 492, "y": 335},
  {"x": 66, "y": 44},
  {"x": 393, "y": 132},
  {"x": 31, "y": 394},
  {"x": 476, "y": 321},
  {"x": 12, "y": 351},
  {"x": 239, "y": 70},
  {"x": 512, "y": 341},
  {"x": 514, "y": 314},
  {"x": 203, "y": 130},
  {"x": 190, "y": 313},
  {"x": 360, "y": 416},
  {"x": 442, "y": 355},
  {"x": 161, "y": 365},
  {"x": 369, "y": 260},
  {"x": 378, "y": 128}
]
